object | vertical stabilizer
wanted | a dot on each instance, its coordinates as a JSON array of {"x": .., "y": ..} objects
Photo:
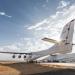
[
  {"x": 67, "y": 33},
  {"x": 64, "y": 46}
]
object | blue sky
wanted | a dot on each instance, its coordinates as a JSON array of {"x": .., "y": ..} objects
[
  {"x": 22, "y": 22},
  {"x": 23, "y": 13}
]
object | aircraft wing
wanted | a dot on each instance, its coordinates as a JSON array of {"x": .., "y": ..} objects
[
  {"x": 15, "y": 52},
  {"x": 49, "y": 40}
]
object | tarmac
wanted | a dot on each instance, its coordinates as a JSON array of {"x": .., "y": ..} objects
[{"x": 37, "y": 68}]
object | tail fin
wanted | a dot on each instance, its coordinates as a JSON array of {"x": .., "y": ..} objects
[
  {"x": 67, "y": 33},
  {"x": 65, "y": 46}
]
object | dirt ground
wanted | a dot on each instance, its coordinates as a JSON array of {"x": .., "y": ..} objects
[{"x": 35, "y": 69}]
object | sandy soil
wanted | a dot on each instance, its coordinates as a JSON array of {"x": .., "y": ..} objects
[{"x": 36, "y": 69}]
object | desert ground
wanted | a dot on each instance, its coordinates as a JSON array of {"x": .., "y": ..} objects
[{"x": 37, "y": 69}]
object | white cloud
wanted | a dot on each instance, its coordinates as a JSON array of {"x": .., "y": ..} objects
[
  {"x": 4, "y": 14},
  {"x": 9, "y": 48},
  {"x": 37, "y": 25},
  {"x": 63, "y": 4}
]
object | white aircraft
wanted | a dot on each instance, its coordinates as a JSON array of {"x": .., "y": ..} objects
[{"x": 64, "y": 46}]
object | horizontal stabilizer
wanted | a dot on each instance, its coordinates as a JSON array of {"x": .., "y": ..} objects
[{"x": 49, "y": 40}]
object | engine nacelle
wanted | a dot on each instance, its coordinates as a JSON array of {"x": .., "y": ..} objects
[
  {"x": 19, "y": 56},
  {"x": 13, "y": 56}
]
